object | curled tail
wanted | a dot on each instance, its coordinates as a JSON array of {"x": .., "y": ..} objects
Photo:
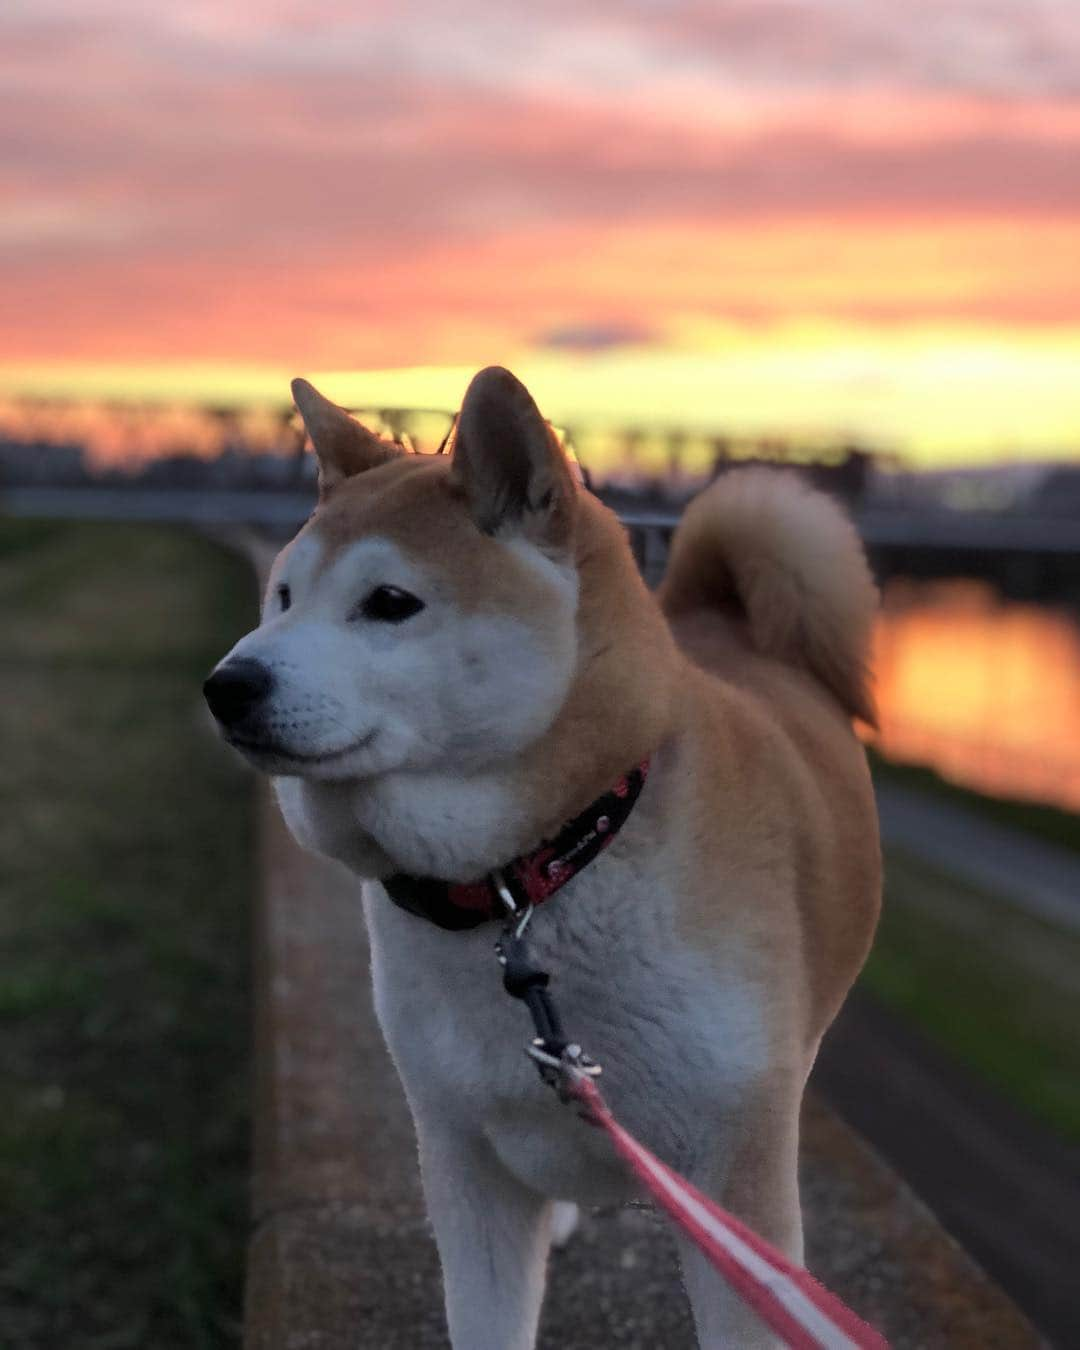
[{"x": 764, "y": 545}]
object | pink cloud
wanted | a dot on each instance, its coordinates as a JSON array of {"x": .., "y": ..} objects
[{"x": 177, "y": 171}]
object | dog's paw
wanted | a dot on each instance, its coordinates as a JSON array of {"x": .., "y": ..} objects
[{"x": 564, "y": 1222}]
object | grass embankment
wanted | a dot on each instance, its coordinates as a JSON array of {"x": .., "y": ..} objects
[
  {"x": 992, "y": 985},
  {"x": 126, "y": 867}
]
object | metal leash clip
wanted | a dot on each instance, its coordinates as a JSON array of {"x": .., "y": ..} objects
[
  {"x": 517, "y": 916},
  {"x": 559, "y": 1060},
  {"x": 559, "y": 1071}
]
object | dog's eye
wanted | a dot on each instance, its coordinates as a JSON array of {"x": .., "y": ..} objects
[
  {"x": 284, "y": 596},
  {"x": 390, "y": 604}
]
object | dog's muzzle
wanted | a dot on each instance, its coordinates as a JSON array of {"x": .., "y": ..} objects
[{"x": 237, "y": 689}]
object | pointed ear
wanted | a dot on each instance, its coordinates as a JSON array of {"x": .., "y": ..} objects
[
  {"x": 508, "y": 464},
  {"x": 342, "y": 446}
]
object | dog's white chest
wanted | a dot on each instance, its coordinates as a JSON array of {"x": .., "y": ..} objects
[{"x": 677, "y": 1043}]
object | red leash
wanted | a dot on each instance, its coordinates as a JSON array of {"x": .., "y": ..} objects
[
  {"x": 785, "y": 1296},
  {"x": 802, "y": 1312}
]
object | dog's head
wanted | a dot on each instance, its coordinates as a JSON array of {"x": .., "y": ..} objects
[{"x": 425, "y": 614}]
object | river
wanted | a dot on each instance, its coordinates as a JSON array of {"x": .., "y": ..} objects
[{"x": 985, "y": 691}]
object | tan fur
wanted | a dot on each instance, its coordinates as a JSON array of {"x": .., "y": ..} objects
[
  {"x": 777, "y": 810},
  {"x": 508, "y": 465},
  {"x": 343, "y": 446},
  {"x": 765, "y": 547},
  {"x": 768, "y": 591}
]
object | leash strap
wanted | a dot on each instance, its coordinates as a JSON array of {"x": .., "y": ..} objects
[{"x": 802, "y": 1312}]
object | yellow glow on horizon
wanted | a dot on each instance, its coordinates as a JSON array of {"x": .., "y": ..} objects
[{"x": 933, "y": 393}]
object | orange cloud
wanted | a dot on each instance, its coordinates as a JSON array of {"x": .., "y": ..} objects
[{"x": 456, "y": 301}]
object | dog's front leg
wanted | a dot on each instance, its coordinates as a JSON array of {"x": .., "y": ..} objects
[
  {"x": 493, "y": 1236},
  {"x": 754, "y": 1173}
]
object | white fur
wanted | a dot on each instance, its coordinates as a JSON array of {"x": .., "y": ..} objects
[
  {"x": 565, "y": 1216},
  {"x": 444, "y": 688},
  {"x": 684, "y": 1047}
]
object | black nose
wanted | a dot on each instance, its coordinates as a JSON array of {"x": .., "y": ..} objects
[{"x": 236, "y": 687}]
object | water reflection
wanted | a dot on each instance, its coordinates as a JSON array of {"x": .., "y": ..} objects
[{"x": 983, "y": 690}]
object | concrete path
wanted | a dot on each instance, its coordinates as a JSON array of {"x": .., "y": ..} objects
[
  {"x": 341, "y": 1256},
  {"x": 1038, "y": 877}
]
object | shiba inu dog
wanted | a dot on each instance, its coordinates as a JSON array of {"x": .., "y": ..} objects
[{"x": 457, "y": 656}]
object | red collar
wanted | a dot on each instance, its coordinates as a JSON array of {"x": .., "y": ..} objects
[{"x": 530, "y": 879}]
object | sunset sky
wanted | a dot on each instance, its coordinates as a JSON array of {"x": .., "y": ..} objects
[{"x": 848, "y": 215}]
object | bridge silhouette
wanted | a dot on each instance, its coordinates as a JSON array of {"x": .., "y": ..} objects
[{"x": 1026, "y": 556}]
